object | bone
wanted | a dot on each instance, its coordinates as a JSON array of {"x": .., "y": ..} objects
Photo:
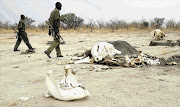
[
  {"x": 22, "y": 99},
  {"x": 86, "y": 60},
  {"x": 76, "y": 58},
  {"x": 65, "y": 92},
  {"x": 70, "y": 78},
  {"x": 157, "y": 34}
]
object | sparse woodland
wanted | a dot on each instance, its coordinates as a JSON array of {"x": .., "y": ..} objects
[{"x": 73, "y": 22}]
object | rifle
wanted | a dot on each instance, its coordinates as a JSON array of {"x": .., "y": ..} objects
[
  {"x": 53, "y": 31},
  {"x": 15, "y": 32}
]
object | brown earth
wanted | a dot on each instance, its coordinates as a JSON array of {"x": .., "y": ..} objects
[{"x": 23, "y": 75}]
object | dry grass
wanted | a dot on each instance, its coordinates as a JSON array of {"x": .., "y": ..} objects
[{"x": 37, "y": 31}]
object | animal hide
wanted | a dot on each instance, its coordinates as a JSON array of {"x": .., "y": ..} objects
[
  {"x": 165, "y": 43},
  {"x": 103, "y": 49}
]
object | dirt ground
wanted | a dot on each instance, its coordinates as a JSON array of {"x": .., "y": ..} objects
[{"x": 23, "y": 75}]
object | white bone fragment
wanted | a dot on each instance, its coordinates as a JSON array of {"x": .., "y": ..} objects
[
  {"x": 70, "y": 78},
  {"x": 23, "y": 98},
  {"x": 77, "y": 58},
  {"x": 86, "y": 60},
  {"x": 64, "y": 93},
  {"x": 157, "y": 34}
]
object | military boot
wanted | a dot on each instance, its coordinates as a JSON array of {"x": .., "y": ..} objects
[{"x": 48, "y": 54}]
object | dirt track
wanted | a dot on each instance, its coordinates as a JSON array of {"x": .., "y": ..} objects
[{"x": 24, "y": 75}]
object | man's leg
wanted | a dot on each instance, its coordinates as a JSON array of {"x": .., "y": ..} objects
[
  {"x": 58, "y": 51},
  {"x": 26, "y": 40},
  {"x": 54, "y": 44},
  {"x": 18, "y": 42}
]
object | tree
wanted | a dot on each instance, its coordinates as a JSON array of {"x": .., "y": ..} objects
[
  {"x": 78, "y": 22},
  {"x": 70, "y": 20},
  {"x": 158, "y": 22},
  {"x": 177, "y": 26},
  {"x": 28, "y": 21},
  {"x": 134, "y": 24},
  {"x": 100, "y": 24},
  {"x": 1, "y": 24},
  {"x": 112, "y": 24},
  {"x": 144, "y": 24},
  {"x": 6, "y": 25},
  {"x": 122, "y": 24},
  {"x": 91, "y": 24},
  {"x": 170, "y": 24},
  {"x": 15, "y": 25},
  {"x": 42, "y": 26}
]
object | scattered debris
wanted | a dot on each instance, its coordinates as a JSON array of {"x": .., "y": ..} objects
[
  {"x": 60, "y": 62},
  {"x": 165, "y": 43},
  {"x": 48, "y": 60},
  {"x": 98, "y": 70},
  {"x": 28, "y": 51},
  {"x": 129, "y": 58},
  {"x": 22, "y": 86},
  {"x": 16, "y": 67},
  {"x": 22, "y": 99},
  {"x": 70, "y": 62},
  {"x": 173, "y": 60},
  {"x": 104, "y": 67}
]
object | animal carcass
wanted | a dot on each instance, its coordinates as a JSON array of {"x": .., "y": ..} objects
[
  {"x": 103, "y": 49},
  {"x": 68, "y": 89}
]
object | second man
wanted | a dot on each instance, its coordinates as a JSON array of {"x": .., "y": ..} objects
[{"x": 54, "y": 21}]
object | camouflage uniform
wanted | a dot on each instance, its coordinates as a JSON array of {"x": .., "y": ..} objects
[
  {"x": 22, "y": 35},
  {"x": 54, "y": 20}
]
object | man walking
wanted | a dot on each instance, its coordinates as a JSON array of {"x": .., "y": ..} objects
[
  {"x": 54, "y": 21},
  {"x": 22, "y": 35}
]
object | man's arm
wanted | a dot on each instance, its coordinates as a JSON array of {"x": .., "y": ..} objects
[
  {"x": 56, "y": 22},
  {"x": 56, "y": 28}
]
